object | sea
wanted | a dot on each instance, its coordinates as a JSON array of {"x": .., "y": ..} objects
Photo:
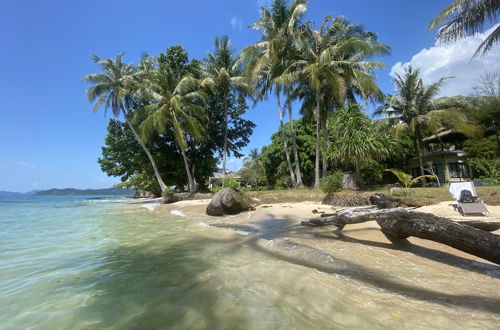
[{"x": 70, "y": 262}]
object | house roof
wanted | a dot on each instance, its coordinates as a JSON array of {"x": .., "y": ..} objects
[{"x": 441, "y": 153}]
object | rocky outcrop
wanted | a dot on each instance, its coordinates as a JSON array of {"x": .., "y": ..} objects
[{"x": 228, "y": 201}]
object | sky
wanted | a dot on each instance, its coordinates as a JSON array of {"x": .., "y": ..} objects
[{"x": 49, "y": 136}]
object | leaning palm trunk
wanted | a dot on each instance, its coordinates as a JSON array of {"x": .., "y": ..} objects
[
  {"x": 191, "y": 184},
  {"x": 419, "y": 155},
  {"x": 318, "y": 136},
  {"x": 226, "y": 116},
  {"x": 326, "y": 144},
  {"x": 298, "y": 175},
  {"x": 162, "y": 184},
  {"x": 285, "y": 144}
]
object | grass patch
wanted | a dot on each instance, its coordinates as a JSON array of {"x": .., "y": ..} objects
[{"x": 417, "y": 197}]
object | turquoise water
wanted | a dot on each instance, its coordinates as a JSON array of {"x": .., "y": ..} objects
[{"x": 72, "y": 263}]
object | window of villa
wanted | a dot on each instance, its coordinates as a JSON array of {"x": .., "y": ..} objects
[
  {"x": 415, "y": 171},
  {"x": 458, "y": 170}
]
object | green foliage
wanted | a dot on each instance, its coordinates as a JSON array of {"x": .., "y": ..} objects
[
  {"x": 481, "y": 148},
  {"x": 356, "y": 139},
  {"x": 167, "y": 195},
  {"x": 372, "y": 172},
  {"x": 406, "y": 179},
  {"x": 230, "y": 183},
  {"x": 486, "y": 169},
  {"x": 332, "y": 182},
  {"x": 253, "y": 173},
  {"x": 273, "y": 155}
]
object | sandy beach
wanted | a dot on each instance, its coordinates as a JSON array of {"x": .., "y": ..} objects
[{"x": 281, "y": 223}]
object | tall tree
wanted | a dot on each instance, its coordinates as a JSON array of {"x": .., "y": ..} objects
[
  {"x": 465, "y": 17},
  {"x": 267, "y": 59},
  {"x": 224, "y": 74},
  {"x": 415, "y": 110},
  {"x": 114, "y": 88},
  {"x": 333, "y": 68},
  {"x": 174, "y": 102}
]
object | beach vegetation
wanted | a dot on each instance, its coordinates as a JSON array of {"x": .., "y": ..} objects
[
  {"x": 407, "y": 180},
  {"x": 332, "y": 183}
]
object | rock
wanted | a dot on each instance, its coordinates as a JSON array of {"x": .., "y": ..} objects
[
  {"x": 382, "y": 201},
  {"x": 349, "y": 181},
  {"x": 228, "y": 201}
]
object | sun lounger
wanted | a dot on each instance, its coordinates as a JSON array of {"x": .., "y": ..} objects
[{"x": 467, "y": 199}]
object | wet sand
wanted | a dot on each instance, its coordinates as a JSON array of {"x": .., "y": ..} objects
[{"x": 282, "y": 220}]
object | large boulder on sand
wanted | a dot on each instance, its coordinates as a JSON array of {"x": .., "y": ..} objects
[{"x": 228, "y": 201}]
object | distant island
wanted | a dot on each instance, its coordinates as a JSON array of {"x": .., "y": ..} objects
[
  {"x": 79, "y": 192},
  {"x": 10, "y": 193}
]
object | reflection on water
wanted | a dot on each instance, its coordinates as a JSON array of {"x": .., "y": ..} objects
[{"x": 102, "y": 266}]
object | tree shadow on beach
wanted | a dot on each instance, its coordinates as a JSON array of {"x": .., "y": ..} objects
[
  {"x": 421, "y": 251},
  {"x": 172, "y": 287},
  {"x": 380, "y": 279}
]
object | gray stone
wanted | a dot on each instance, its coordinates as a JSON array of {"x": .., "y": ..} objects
[{"x": 228, "y": 201}]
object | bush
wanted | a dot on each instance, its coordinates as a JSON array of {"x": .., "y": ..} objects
[
  {"x": 230, "y": 183},
  {"x": 332, "y": 182},
  {"x": 168, "y": 195},
  {"x": 486, "y": 169}
]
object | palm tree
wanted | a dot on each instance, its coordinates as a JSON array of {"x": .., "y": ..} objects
[
  {"x": 356, "y": 139},
  {"x": 114, "y": 88},
  {"x": 333, "y": 68},
  {"x": 253, "y": 156},
  {"x": 174, "y": 103},
  {"x": 464, "y": 17},
  {"x": 224, "y": 74},
  {"x": 414, "y": 110},
  {"x": 267, "y": 59}
]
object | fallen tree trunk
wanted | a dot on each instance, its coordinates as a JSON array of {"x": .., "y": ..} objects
[{"x": 398, "y": 224}]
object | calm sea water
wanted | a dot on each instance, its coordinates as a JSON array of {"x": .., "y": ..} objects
[{"x": 72, "y": 263}]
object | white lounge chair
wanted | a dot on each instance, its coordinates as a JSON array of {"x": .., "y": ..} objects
[{"x": 459, "y": 190}]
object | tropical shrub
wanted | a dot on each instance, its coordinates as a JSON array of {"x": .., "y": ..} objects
[
  {"x": 407, "y": 180},
  {"x": 230, "y": 183},
  {"x": 332, "y": 182},
  {"x": 168, "y": 195},
  {"x": 486, "y": 169}
]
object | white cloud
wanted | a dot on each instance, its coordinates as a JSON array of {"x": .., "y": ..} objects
[
  {"x": 34, "y": 184},
  {"x": 26, "y": 164},
  {"x": 236, "y": 23},
  {"x": 455, "y": 59}
]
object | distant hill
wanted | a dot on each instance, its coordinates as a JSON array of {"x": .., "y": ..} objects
[
  {"x": 79, "y": 192},
  {"x": 10, "y": 193}
]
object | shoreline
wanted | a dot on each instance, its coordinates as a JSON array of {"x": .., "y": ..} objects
[{"x": 280, "y": 222}]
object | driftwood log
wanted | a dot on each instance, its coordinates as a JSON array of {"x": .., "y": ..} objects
[{"x": 398, "y": 224}]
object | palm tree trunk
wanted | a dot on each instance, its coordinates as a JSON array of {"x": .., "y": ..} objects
[
  {"x": 419, "y": 155},
  {"x": 318, "y": 136},
  {"x": 326, "y": 145},
  {"x": 298, "y": 175},
  {"x": 285, "y": 144},
  {"x": 226, "y": 116},
  {"x": 192, "y": 186},
  {"x": 162, "y": 184}
]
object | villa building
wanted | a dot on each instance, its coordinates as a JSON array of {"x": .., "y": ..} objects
[{"x": 448, "y": 160}]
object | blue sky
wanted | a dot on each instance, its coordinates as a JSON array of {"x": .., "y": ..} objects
[{"x": 49, "y": 136}]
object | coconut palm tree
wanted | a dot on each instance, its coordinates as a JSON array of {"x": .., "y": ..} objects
[
  {"x": 415, "y": 109},
  {"x": 333, "y": 68},
  {"x": 114, "y": 88},
  {"x": 465, "y": 17},
  {"x": 266, "y": 60},
  {"x": 174, "y": 103},
  {"x": 224, "y": 74}
]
